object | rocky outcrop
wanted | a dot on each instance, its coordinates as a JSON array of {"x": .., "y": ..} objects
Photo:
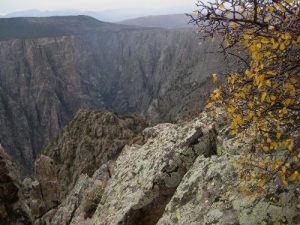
[
  {"x": 45, "y": 79},
  {"x": 174, "y": 174},
  {"x": 155, "y": 168},
  {"x": 13, "y": 210},
  {"x": 171, "y": 180},
  {"x": 91, "y": 139},
  {"x": 76, "y": 163},
  {"x": 147, "y": 176}
]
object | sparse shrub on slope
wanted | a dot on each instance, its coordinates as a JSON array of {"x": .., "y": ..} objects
[{"x": 93, "y": 198}]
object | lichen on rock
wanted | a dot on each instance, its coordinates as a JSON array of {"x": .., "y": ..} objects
[{"x": 147, "y": 177}]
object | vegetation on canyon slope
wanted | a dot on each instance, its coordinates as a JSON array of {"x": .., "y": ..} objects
[{"x": 261, "y": 98}]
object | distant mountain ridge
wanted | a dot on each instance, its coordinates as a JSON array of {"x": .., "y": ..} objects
[
  {"x": 35, "y": 27},
  {"x": 164, "y": 21},
  {"x": 109, "y": 15}
]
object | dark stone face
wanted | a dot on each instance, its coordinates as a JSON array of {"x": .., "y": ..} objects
[
  {"x": 8, "y": 186},
  {"x": 12, "y": 208},
  {"x": 9, "y": 191},
  {"x": 44, "y": 80}
]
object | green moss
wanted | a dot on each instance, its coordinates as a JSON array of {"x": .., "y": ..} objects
[{"x": 220, "y": 150}]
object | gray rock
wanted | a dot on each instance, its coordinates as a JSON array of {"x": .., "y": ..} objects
[
  {"x": 146, "y": 178},
  {"x": 174, "y": 178},
  {"x": 209, "y": 194},
  {"x": 68, "y": 209}
]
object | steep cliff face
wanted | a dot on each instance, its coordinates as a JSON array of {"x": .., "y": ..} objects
[
  {"x": 13, "y": 210},
  {"x": 45, "y": 79}
]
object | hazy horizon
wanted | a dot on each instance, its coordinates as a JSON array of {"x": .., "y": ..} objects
[{"x": 167, "y": 6}]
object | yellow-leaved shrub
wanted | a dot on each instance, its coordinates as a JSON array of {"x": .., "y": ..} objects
[{"x": 261, "y": 98}]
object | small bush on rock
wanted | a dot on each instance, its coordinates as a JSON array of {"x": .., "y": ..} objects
[{"x": 92, "y": 199}]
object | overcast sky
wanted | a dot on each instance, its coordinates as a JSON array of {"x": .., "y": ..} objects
[{"x": 8, "y": 6}]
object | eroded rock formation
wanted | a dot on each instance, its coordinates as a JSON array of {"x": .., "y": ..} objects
[
  {"x": 90, "y": 140},
  {"x": 77, "y": 162}
]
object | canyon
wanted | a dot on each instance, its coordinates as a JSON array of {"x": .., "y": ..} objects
[{"x": 52, "y": 67}]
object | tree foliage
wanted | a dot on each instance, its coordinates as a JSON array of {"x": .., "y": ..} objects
[{"x": 261, "y": 98}]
